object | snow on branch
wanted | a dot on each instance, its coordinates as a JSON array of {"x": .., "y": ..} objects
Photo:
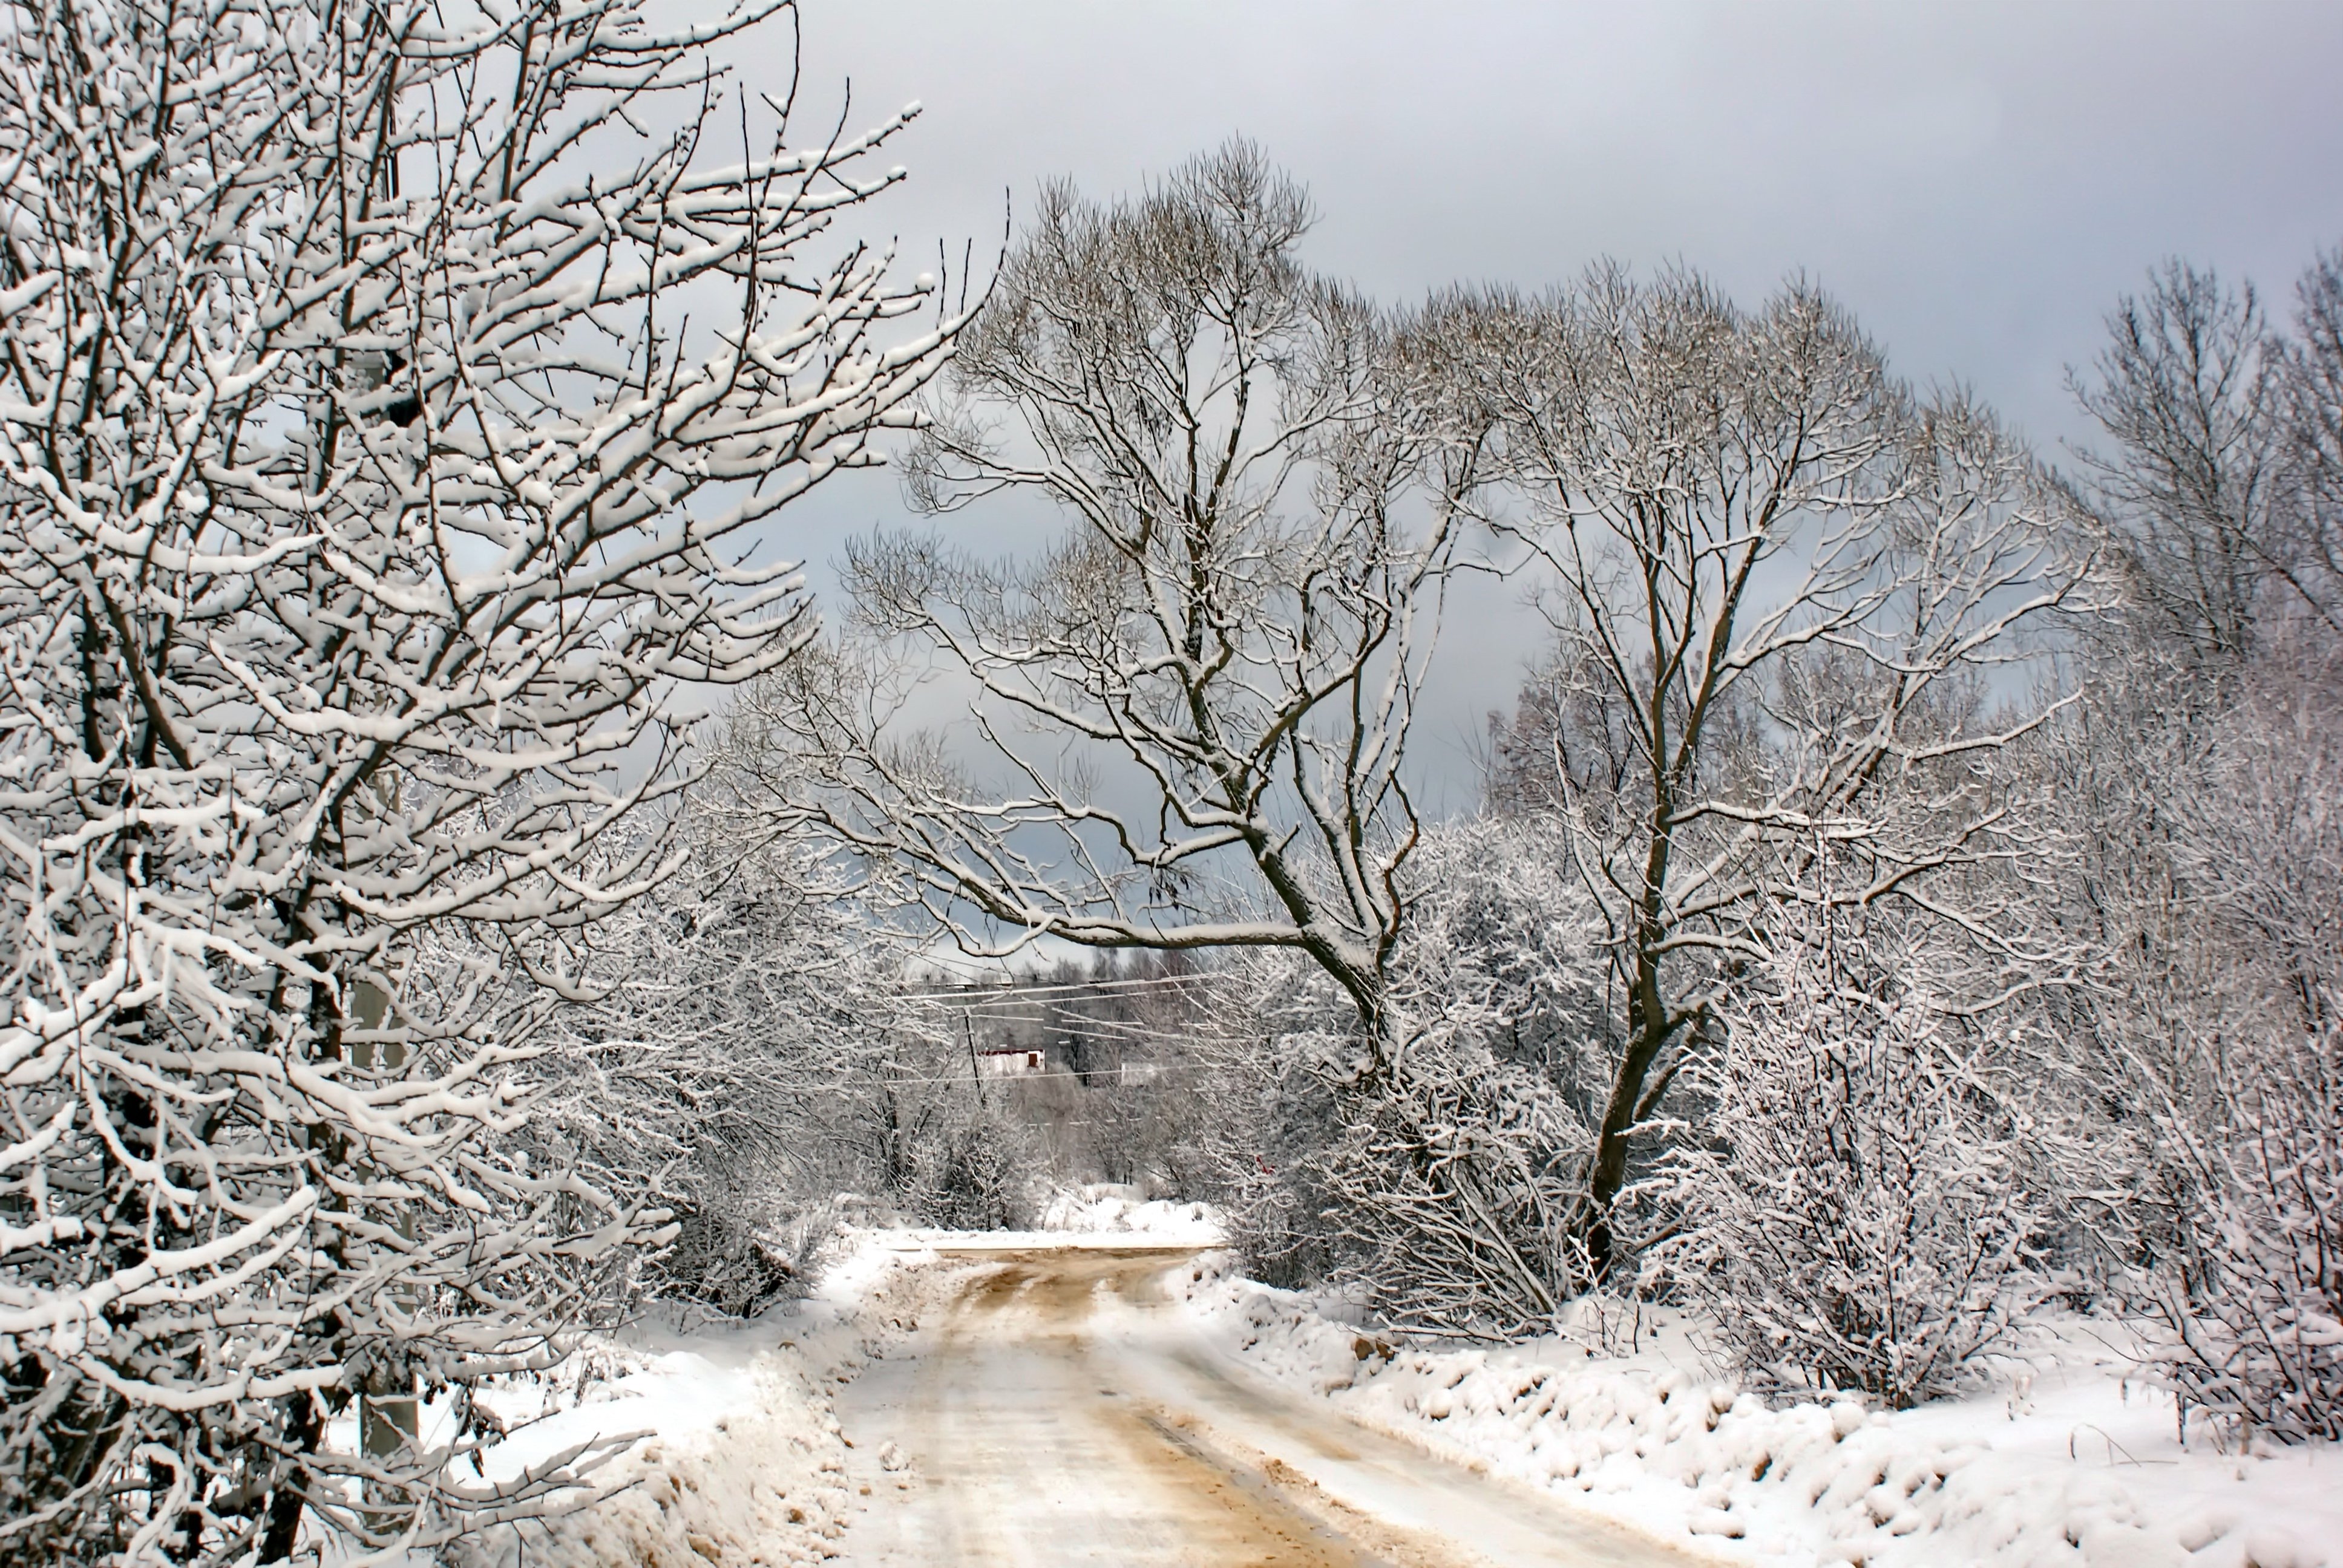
[{"x": 391, "y": 398}]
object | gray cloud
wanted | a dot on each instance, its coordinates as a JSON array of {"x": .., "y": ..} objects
[{"x": 1977, "y": 181}]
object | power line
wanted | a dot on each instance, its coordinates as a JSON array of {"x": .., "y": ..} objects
[
  {"x": 1105, "y": 1030},
  {"x": 891, "y": 1083},
  {"x": 1007, "y": 988}
]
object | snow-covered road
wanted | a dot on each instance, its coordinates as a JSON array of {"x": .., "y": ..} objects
[{"x": 1055, "y": 1410}]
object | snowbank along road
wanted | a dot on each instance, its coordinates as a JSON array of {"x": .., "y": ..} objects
[{"x": 1056, "y": 1411}]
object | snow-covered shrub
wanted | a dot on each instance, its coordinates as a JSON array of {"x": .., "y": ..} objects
[
  {"x": 720, "y": 1051},
  {"x": 2254, "y": 1306},
  {"x": 2243, "y": 1082},
  {"x": 1443, "y": 1189},
  {"x": 368, "y": 521},
  {"x": 1852, "y": 1209},
  {"x": 943, "y": 1146},
  {"x": 2205, "y": 1049},
  {"x": 973, "y": 1173},
  {"x": 950, "y": 1151}
]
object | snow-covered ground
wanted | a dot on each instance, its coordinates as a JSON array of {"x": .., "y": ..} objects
[
  {"x": 1127, "y": 1211},
  {"x": 737, "y": 1456},
  {"x": 745, "y": 1463},
  {"x": 729, "y": 1448},
  {"x": 2075, "y": 1466},
  {"x": 742, "y": 1463}
]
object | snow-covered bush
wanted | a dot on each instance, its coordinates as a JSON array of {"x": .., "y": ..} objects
[
  {"x": 975, "y": 1170},
  {"x": 1441, "y": 1191},
  {"x": 2254, "y": 1306},
  {"x": 366, "y": 511},
  {"x": 719, "y": 1052},
  {"x": 943, "y": 1147},
  {"x": 2204, "y": 1123},
  {"x": 1851, "y": 1208},
  {"x": 2234, "y": 1050}
]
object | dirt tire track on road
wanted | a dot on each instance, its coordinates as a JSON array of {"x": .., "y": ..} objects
[{"x": 1043, "y": 1430}]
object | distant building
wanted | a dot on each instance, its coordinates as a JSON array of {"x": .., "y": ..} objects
[{"x": 1008, "y": 1063}]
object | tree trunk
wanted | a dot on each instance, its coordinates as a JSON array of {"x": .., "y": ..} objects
[
  {"x": 285, "y": 1503},
  {"x": 1647, "y": 1036}
]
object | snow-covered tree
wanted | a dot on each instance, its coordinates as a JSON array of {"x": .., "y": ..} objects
[
  {"x": 1446, "y": 1199},
  {"x": 1189, "y": 715},
  {"x": 2187, "y": 391},
  {"x": 2217, "y": 494},
  {"x": 724, "y": 1054},
  {"x": 369, "y": 505},
  {"x": 2203, "y": 1145},
  {"x": 1852, "y": 1208},
  {"x": 2308, "y": 553},
  {"x": 1782, "y": 587},
  {"x": 2213, "y": 1043}
]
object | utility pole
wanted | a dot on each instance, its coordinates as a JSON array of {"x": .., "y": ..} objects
[{"x": 968, "y": 1029}]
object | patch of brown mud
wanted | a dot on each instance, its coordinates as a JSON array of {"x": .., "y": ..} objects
[
  {"x": 1054, "y": 1256},
  {"x": 1235, "y": 1514},
  {"x": 1061, "y": 1286},
  {"x": 992, "y": 1292},
  {"x": 1282, "y": 1510}
]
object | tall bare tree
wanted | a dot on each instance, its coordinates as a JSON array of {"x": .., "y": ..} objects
[
  {"x": 1189, "y": 715},
  {"x": 2310, "y": 532},
  {"x": 2189, "y": 391},
  {"x": 1781, "y": 587}
]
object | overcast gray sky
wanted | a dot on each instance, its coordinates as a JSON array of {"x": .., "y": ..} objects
[{"x": 1977, "y": 181}]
